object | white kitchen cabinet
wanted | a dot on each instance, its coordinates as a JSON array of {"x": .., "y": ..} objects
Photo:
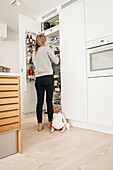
[
  {"x": 98, "y": 18},
  {"x": 52, "y": 31},
  {"x": 100, "y": 101},
  {"x": 73, "y": 62}
]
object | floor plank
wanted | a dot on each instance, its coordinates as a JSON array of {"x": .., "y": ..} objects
[{"x": 76, "y": 149}]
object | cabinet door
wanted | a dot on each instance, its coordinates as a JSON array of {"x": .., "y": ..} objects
[
  {"x": 100, "y": 101},
  {"x": 99, "y": 20},
  {"x": 28, "y": 94},
  {"x": 73, "y": 66}
]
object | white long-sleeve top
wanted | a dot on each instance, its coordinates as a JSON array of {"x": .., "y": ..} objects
[
  {"x": 42, "y": 61},
  {"x": 58, "y": 120}
]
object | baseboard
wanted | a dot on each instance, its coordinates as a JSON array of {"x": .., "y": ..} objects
[{"x": 90, "y": 126}]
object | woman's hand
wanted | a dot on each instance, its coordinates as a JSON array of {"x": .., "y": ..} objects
[{"x": 58, "y": 55}]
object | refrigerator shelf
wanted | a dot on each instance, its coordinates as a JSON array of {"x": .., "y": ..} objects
[
  {"x": 28, "y": 45},
  {"x": 31, "y": 76},
  {"x": 56, "y": 99},
  {"x": 29, "y": 63},
  {"x": 56, "y": 43}
]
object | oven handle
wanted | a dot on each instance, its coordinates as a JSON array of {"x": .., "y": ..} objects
[{"x": 101, "y": 48}]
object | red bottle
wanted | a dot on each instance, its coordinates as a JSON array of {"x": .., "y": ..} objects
[
  {"x": 27, "y": 39},
  {"x": 30, "y": 70}
]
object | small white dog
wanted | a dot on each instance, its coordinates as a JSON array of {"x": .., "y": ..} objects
[{"x": 59, "y": 121}]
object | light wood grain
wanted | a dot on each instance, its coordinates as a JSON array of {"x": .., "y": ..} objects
[
  {"x": 9, "y": 107},
  {"x": 9, "y": 114},
  {"x": 9, "y": 128},
  {"x": 19, "y": 131},
  {"x": 9, "y": 100},
  {"x": 9, "y": 87},
  {"x": 10, "y": 120},
  {"x": 9, "y": 77},
  {"x": 8, "y": 81},
  {"x": 76, "y": 149},
  {"x": 9, "y": 94}
]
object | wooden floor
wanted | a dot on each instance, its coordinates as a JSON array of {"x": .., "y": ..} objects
[{"x": 76, "y": 149}]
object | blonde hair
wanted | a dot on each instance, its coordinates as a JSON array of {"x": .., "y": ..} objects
[
  {"x": 40, "y": 41},
  {"x": 56, "y": 108}
]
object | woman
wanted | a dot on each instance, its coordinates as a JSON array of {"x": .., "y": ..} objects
[{"x": 44, "y": 78}]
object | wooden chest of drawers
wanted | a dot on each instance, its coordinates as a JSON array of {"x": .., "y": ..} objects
[{"x": 10, "y": 107}]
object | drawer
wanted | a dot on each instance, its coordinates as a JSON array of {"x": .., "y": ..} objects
[
  {"x": 7, "y": 121},
  {"x": 7, "y": 80},
  {"x": 8, "y": 128},
  {"x": 9, "y": 94},
  {"x": 9, "y": 114},
  {"x": 9, "y": 100},
  {"x": 9, "y": 107},
  {"x": 10, "y": 110},
  {"x": 8, "y": 87}
]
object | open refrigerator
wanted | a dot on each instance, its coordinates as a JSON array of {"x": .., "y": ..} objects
[
  {"x": 50, "y": 28},
  {"x": 53, "y": 42}
]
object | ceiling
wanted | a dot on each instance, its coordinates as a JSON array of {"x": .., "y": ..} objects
[{"x": 30, "y": 8}]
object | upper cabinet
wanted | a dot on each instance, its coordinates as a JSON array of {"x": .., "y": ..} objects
[
  {"x": 98, "y": 18},
  {"x": 50, "y": 22}
]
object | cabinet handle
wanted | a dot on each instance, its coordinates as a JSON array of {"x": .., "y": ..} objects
[
  {"x": 50, "y": 29},
  {"x": 101, "y": 40}
]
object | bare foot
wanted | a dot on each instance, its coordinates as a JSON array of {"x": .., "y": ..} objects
[
  {"x": 52, "y": 130},
  {"x": 50, "y": 124},
  {"x": 63, "y": 129},
  {"x": 40, "y": 127}
]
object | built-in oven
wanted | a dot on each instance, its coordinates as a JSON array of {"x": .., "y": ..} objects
[{"x": 100, "y": 57}]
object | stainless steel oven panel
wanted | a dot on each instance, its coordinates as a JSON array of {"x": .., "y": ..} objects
[{"x": 99, "y": 72}]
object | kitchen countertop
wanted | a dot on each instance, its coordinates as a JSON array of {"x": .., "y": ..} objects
[{"x": 9, "y": 74}]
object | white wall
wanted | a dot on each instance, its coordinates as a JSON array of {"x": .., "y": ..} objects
[
  {"x": 9, "y": 52},
  {"x": 28, "y": 93}
]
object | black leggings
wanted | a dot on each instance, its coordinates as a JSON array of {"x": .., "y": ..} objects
[{"x": 42, "y": 84}]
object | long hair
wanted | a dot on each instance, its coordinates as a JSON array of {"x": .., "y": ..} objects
[{"x": 40, "y": 41}]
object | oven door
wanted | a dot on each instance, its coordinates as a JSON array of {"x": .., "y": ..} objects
[{"x": 100, "y": 61}]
